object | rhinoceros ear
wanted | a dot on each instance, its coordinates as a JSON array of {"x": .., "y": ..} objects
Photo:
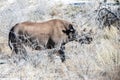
[
  {"x": 64, "y": 31},
  {"x": 70, "y": 26}
]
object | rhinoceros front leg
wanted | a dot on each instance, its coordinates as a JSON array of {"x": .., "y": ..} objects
[{"x": 62, "y": 53}]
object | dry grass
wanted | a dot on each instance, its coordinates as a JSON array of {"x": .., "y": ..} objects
[
  {"x": 99, "y": 60},
  {"x": 96, "y": 61}
]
